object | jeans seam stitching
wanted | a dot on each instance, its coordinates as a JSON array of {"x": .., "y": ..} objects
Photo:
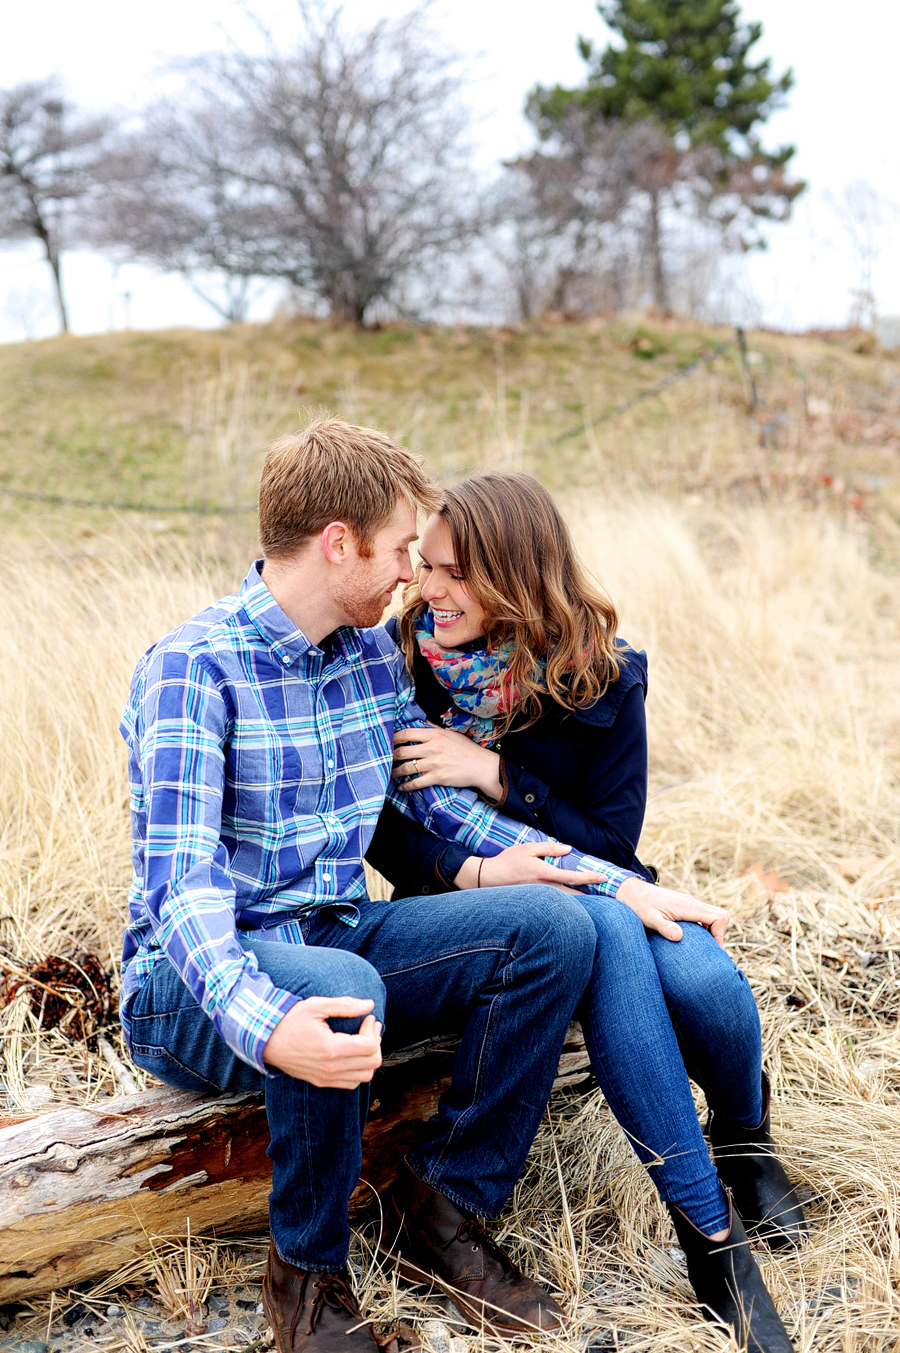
[
  {"x": 442, "y": 958},
  {"x": 486, "y": 1044},
  {"x": 163, "y": 1054}
]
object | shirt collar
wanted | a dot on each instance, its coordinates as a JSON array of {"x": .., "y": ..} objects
[{"x": 287, "y": 642}]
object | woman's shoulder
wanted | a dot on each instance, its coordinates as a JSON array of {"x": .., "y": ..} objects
[{"x": 632, "y": 672}]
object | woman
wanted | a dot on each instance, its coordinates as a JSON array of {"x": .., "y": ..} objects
[{"x": 533, "y": 702}]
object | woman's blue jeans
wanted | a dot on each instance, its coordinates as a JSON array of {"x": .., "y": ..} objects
[
  {"x": 656, "y": 1012},
  {"x": 503, "y": 967}
]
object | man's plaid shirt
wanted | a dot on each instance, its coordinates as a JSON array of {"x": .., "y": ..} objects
[{"x": 259, "y": 763}]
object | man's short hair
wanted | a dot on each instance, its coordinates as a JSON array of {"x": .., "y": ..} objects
[{"x": 335, "y": 471}]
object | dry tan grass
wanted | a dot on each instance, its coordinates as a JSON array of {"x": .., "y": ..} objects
[{"x": 775, "y": 722}]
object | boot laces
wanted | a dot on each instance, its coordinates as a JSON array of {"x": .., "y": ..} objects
[
  {"x": 332, "y": 1291},
  {"x": 473, "y": 1230}
]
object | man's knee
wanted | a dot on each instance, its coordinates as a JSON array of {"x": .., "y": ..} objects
[
  {"x": 557, "y": 922},
  {"x": 345, "y": 974},
  {"x": 308, "y": 970}
]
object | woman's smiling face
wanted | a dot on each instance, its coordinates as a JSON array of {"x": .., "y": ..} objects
[{"x": 458, "y": 617}]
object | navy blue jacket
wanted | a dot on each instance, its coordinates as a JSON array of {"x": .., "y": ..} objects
[{"x": 579, "y": 775}]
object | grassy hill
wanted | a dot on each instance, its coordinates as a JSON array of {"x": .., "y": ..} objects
[
  {"x": 182, "y": 417},
  {"x": 754, "y": 552}
]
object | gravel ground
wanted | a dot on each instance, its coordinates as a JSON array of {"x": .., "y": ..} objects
[
  {"x": 233, "y": 1323},
  {"x": 230, "y": 1321},
  {"x": 133, "y": 1319}
]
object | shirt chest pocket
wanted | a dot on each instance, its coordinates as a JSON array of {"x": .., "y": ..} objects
[{"x": 365, "y": 764}]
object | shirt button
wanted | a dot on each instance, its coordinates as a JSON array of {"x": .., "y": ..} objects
[
  {"x": 286, "y": 660},
  {"x": 327, "y": 877},
  {"x": 426, "y": 889},
  {"x": 330, "y": 763},
  {"x": 529, "y": 798}
]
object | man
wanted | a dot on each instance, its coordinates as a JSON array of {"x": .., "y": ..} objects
[{"x": 260, "y": 741}]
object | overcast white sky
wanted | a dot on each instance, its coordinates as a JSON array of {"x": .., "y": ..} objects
[{"x": 842, "y": 116}]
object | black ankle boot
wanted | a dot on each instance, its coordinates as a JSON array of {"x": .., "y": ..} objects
[
  {"x": 729, "y": 1286},
  {"x": 748, "y": 1165}
]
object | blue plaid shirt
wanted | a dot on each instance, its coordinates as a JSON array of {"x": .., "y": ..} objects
[{"x": 259, "y": 763}]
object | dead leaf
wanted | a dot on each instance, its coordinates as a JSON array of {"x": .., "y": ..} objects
[
  {"x": 854, "y": 866},
  {"x": 770, "y": 881}
]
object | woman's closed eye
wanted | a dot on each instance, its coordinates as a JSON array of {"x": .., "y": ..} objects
[{"x": 429, "y": 568}]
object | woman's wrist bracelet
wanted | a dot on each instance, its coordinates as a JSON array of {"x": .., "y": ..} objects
[{"x": 478, "y": 875}]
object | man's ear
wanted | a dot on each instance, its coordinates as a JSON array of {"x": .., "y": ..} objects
[{"x": 338, "y": 543}]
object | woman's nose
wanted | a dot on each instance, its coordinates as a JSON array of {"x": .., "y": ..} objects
[{"x": 430, "y": 588}]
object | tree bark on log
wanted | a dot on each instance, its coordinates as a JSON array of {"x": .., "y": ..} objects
[{"x": 84, "y": 1192}]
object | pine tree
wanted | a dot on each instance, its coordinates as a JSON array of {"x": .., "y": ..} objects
[{"x": 682, "y": 73}]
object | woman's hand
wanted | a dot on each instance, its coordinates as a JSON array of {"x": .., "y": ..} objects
[
  {"x": 439, "y": 756},
  {"x": 660, "y": 908},
  {"x": 526, "y": 863}
]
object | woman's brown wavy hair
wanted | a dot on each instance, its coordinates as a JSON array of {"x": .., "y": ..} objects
[{"x": 516, "y": 556}]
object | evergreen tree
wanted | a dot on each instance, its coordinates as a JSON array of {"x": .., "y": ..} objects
[{"x": 682, "y": 73}]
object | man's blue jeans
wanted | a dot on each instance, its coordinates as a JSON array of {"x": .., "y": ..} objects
[{"x": 503, "y": 967}]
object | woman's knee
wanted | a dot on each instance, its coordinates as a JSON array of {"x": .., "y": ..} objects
[
  {"x": 615, "y": 923},
  {"x": 696, "y": 973}
]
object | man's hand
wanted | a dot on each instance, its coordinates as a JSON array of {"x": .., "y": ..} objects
[
  {"x": 660, "y": 908},
  {"x": 526, "y": 863},
  {"x": 440, "y": 756},
  {"x": 304, "y": 1046}
]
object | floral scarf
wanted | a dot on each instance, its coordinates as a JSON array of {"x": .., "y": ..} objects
[{"x": 475, "y": 679}]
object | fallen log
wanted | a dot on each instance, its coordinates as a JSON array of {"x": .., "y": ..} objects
[{"x": 84, "y": 1192}]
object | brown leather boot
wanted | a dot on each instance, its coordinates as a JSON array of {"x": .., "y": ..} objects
[
  {"x": 317, "y": 1312},
  {"x": 428, "y": 1239}
]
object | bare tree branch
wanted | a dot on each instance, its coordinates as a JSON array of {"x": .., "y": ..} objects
[
  {"x": 339, "y": 166},
  {"x": 49, "y": 153}
]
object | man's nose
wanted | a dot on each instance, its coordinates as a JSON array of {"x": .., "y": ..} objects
[{"x": 406, "y": 573}]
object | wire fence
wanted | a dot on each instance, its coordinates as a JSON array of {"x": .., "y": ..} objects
[
  {"x": 672, "y": 379},
  {"x": 160, "y": 509},
  {"x": 211, "y": 510}
]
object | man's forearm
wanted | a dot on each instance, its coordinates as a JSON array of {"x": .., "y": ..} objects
[
  {"x": 460, "y": 815},
  {"x": 194, "y": 926}
]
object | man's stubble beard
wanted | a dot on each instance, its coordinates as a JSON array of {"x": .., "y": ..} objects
[{"x": 360, "y": 602}]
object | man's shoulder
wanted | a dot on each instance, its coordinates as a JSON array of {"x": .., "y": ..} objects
[
  {"x": 378, "y": 643},
  {"x": 216, "y": 628}
]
